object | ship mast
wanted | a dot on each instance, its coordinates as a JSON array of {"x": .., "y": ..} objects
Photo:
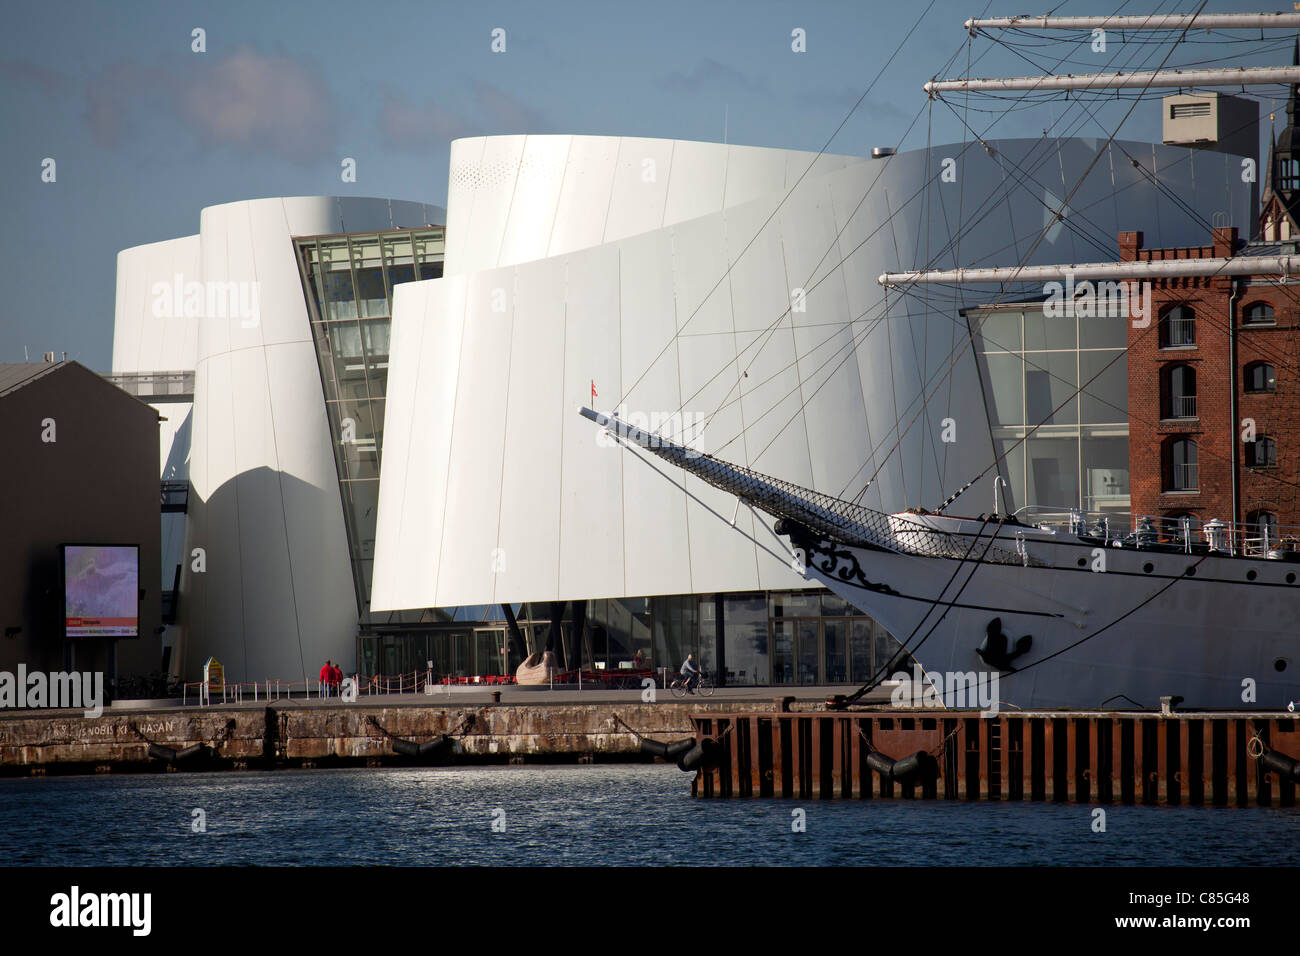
[
  {"x": 1159, "y": 269},
  {"x": 1242, "y": 76},
  {"x": 1167, "y": 21}
]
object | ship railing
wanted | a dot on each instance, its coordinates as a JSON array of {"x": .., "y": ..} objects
[{"x": 1183, "y": 532}]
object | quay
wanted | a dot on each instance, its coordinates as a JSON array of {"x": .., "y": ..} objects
[
  {"x": 470, "y": 725},
  {"x": 1180, "y": 759}
]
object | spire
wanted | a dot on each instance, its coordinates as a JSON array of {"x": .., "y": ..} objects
[{"x": 1295, "y": 90}]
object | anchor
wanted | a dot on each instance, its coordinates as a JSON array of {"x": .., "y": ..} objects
[{"x": 993, "y": 649}]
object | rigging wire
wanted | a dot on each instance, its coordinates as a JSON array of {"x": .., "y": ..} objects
[
  {"x": 727, "y": 273},
  {"x": 1029, "y": 255}
]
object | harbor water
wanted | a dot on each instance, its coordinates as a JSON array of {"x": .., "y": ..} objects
[{"x": 593, "y": 815}]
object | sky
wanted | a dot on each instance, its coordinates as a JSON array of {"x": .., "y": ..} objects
[{"x": 145, "y": 130}]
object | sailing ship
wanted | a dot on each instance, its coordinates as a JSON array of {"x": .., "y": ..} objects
[{"x": 1068, "y": 609}]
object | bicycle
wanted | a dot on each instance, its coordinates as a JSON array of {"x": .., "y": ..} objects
[{"x": 703, "y": 686}]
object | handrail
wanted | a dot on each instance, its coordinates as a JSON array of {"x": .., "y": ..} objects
[
  {"x": 1236, "y": 538},
  {"x": 413, "y": 682}
]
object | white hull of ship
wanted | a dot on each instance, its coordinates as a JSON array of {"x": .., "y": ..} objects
[{"x": 1208, "y": 638}]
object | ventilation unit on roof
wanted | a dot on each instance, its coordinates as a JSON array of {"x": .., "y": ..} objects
[{"x": 1227, "y": 123}]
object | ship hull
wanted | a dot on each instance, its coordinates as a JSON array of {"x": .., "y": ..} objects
[{"x": 1143, "y": 628}]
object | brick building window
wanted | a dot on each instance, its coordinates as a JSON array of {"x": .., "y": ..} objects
[
  {"x": 1177, "y": 327},
  {"x": 1261, "y": 453},
  {"x": 1263, "y": 525},
  {"x": 1260, "y": 377},
  {"x": 1180, "y": 465},
  {"x": 1178, "y": 392},
  {"x": 1258, "y": 313}
]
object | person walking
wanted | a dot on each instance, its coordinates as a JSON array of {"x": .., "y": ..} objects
[{"x": 326, "y": 678}]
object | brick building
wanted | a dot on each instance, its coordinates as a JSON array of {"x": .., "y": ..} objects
[{"x": 1216, "y": 368}]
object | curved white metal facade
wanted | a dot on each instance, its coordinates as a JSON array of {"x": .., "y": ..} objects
[
  {"x": 512, "y": 199},
  {"x": 492, "y": 488},
  {"x": 150, "y": 334},
  {"x": 275, "y": 596}
]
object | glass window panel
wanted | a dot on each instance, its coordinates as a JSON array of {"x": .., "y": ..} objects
[
  {"x": 366, "y": 569},
  {"x": 1053, "y": 472},
  {"x": 860, "y": 649},
  {"x": 1044, "y": 332},
  {"x": 431, "y": 270},
  {"x": 375, "y": 337},
  {"x": 360, "y": 454},
  {"x": 488, "y": 647},
  {"x": 372, "y": 299},
  {"x": 1004, "y": 384},
  {"x": 353, "y": 389},
  {"x": 1105, "y": 473},
  {"x": 834, "y": 605},
  {"x": 795, "y": 604},
  {"x": 834, "y": 635},
  {"x": 783, "y": 652},
  {"x": 1051, "y": 386},
  {"x": 1105, "y": 400},
  {"x": 1000, "y": 331},
  {"x": 336, "y": 282},
  {"x": 397, "y": 251},
  {"x": 1103, "y": 332},
  {"x": 674, "y": 629},
  {"x": 399, "y": 273},
  {"x": 362, "y": 499},
  {"x": 745, "y": 637},
  {"x": 888, "y": 653},
  {"x": 345, "y": 337},
  {"x": 1013, "y": 470},
  {"x": 808, "y": 653}
]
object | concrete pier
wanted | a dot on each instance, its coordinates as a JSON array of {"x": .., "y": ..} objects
[{"x": 334, "y": 734}]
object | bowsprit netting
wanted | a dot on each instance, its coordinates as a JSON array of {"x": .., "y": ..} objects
[{"x": 833, "y": 518}]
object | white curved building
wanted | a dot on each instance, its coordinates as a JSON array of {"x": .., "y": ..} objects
[
  {"x": 406, "y": 486},
  {"x": 268, "y": 584},
  {"x": 154, "y": 349},
  {"x": 567, "y": 268}
]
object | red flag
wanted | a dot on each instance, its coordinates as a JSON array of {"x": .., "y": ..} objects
[{"x": 593, "y": 389}]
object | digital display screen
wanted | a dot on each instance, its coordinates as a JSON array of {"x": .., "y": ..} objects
[{"x": 101, "y": 590}]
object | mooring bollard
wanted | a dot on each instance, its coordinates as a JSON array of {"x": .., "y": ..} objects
[{"x": 496, "y": 697}]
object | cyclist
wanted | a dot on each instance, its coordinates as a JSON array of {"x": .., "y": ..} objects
[{"x": 690, "y": 673}]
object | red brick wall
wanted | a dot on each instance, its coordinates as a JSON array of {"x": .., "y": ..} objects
[{"x": 1276, "y": 415}]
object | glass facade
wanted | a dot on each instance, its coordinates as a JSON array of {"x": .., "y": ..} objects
[
  {"x": 757, "y": 639},
  {"x": 348, "y": 281},
  {"x": 1030, "y": 365}
]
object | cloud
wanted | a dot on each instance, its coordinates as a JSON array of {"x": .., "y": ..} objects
[
  {"x": 119, "y": 90},
  {"x": 504, "y": 112},
  {"x": 843, "y": 99},
  {"x": 26, "y": 73},
  {"x": 261, "y": 102},
  {"x": 249, "y": 101},
  {"x": 404, "y": 124},
  {"x": 709, "y": 75}
]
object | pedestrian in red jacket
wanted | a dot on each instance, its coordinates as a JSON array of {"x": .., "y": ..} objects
[{"x": 326, "y": 678}]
